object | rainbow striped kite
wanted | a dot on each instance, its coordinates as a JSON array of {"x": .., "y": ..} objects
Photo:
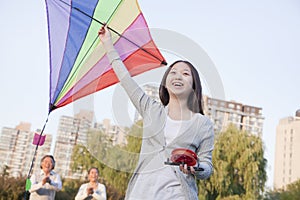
[{"x": 78, "y": 64}]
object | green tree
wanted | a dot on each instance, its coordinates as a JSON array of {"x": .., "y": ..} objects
[
  {"x": 120, "y": 161},
  {"x": 134, "y": 140},
  {"x": 82, "y": 160},
  {"x": 11, "y": 188},
  {"x": 5, "y": 170},
  {"x": 239, "y": 167},
  {"x": 272, "y": 195},
  {"x": 116, "y": 163},
  {"x": 69, "y": 189},
  {"x": 291, "y": 192},
  {"x": 125, "y": 159}
]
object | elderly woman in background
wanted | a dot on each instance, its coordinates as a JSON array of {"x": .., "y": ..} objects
[{"x": 46, "y": 183}]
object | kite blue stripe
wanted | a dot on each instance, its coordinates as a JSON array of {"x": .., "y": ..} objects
[{"x": 78, "y": 28}]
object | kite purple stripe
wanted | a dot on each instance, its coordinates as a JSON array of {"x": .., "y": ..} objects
[{"x": 57, "y": 38}]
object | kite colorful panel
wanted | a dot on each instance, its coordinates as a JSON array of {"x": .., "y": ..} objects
[{"x": 78, "y": 63}]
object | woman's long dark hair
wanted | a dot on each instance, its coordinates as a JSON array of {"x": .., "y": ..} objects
[{"x": 195, "y": 103}]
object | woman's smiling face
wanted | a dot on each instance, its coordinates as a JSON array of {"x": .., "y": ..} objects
[
  {"x": 93, "y": 175},
  {"x": 179, "y": 81},
  {"x": 47, "y": 164}
]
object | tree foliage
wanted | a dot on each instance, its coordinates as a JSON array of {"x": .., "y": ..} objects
[
  {"x": 83, "y": 161},
  {"x": 239, "y": 167},
  {"x": 291, "y": 192},
  {"x": 115, "y": 163},
  {"x": 69, "y": 189},
  {"x": 11, "y": 188}
]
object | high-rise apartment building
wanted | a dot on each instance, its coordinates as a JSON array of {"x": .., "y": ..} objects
[
  {"x": 115, "y": 133},
  {"x": 287, "y": 151},
  {"x": 17, "y": 150},
  {"x": 153, "y": 92},
  {"x": 71, "y": 131},
  {"x": 223, "y": 113},
  {"x": 244, "y": 117},
  {"x": 75, "y": 130}
]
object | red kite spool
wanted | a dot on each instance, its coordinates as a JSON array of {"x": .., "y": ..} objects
[{"x": 182, "y": 155}]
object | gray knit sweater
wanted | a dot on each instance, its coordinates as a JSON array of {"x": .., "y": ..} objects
[{"x": 198, "y": 137}]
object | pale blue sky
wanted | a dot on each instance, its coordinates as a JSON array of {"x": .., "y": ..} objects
[{"x": 255, "y": 46}]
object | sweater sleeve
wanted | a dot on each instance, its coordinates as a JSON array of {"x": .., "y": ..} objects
[
  {"x": 55, "y": 183},
  {"x": 137, "y": 96},
  {"x": 81, "y": 194},
  {"x": 35, "y": 185},
  {"x": 100, "y": 193},
  {"x": 205, "y": 152}
]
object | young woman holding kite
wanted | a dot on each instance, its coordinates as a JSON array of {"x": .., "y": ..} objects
[{"x": 176, "y": 123}]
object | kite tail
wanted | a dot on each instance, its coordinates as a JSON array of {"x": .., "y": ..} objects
[{"x": 28, "y": 184}]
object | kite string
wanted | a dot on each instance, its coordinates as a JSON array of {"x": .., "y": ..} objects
[
  {"x": 26, "y": 193},
  {"x": 36, "y": 148}
]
